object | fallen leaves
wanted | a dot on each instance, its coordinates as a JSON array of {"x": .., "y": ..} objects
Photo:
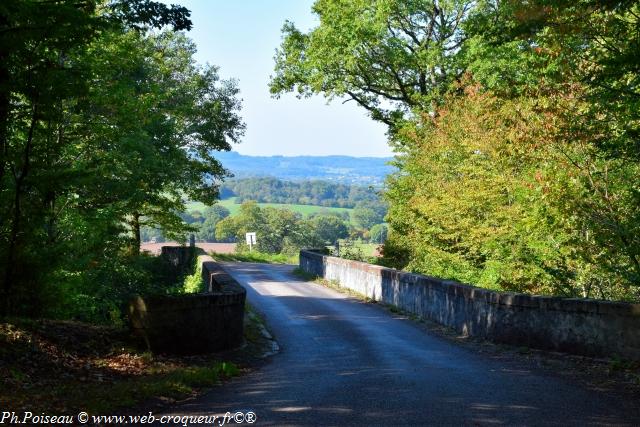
[{"x": 48, "y": 363}]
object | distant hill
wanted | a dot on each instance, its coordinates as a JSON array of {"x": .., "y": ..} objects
[{"x": 343, "y": 169}]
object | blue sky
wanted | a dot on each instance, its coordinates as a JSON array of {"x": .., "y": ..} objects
[{"x": 241, "y": 37}]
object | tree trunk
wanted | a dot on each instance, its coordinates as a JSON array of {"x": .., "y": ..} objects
[
  {"x": 16, "y": 224},
  {"x": 135, "y": 225},
  {"x": 4, "y": 104}
]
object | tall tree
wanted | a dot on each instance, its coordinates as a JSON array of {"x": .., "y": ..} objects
[
  {"x": 212, "y": 216},
  {"x": 179, "y": 115},
  {"x": 389, "y": 56},
  {"x": 101, "y": 123}
]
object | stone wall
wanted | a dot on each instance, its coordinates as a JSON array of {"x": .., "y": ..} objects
[
  {"x": 193, "y": 323},
  {"x": 580, "y": 326}
]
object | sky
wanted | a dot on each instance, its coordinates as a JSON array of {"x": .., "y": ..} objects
[{"x": 241, "y": 37}]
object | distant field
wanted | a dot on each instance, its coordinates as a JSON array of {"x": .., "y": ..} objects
[
  {"x": 233, "y": 207},
  {"x": 227, "y": 203},
  {"x": 368, "y": 249},
  {"x": 223, "y": 248}
]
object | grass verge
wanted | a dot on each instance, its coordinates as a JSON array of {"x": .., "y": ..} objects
[
  {"x": 258, "y": 257},
  {"x": 193, "y": 283}
]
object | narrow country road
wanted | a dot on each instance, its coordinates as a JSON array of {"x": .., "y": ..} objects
[{"x": 343, "y": 362}]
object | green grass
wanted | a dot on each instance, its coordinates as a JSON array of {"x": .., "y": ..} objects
[
  {"x": 368, "y": 250},
  {"x": 234, "y": 207},
  {"x": 258, "y": 257}
]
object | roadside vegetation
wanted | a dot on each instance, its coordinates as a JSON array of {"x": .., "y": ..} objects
[
  {"x": 516, "y": 131},
  {"x": 281, "y": 231},
  {"x": 258, "y": 257},
  {"x": 62, "y": 366}
]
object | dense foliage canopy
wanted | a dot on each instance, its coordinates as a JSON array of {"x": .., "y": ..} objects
[
  {"x": 517, "y": 130},
  {"x": 106, "y": 122}
]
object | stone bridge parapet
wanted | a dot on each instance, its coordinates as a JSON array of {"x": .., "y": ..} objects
[{"x": 579, "y": 326}]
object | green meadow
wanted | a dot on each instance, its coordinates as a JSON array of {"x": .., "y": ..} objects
[{"x": 234, "y": 207}]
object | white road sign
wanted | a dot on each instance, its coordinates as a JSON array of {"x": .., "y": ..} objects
[{"x": 251, "y": 238}]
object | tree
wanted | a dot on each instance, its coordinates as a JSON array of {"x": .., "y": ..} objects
[
  {"x": 389, "y": 56},
  {"x": 367, "y": 215},
  {"x": 378, "y": 233},
  {"x": 212, "y": 216},
  {"x": 35, "y": 81},
  {"x": 516, "y": 126},
  {"x": 279, "y": 230},
  {"x": 329, "y": 229},
  {"x": 322, "y": 193},
  {"x": 275, "y": 228},
  {"x": 248, "y": 219},
  {"x": 101, "y": 125},
  {"x": 580, "y": 61}
]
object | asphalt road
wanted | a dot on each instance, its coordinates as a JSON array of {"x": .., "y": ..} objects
[{"x": 344, "y": 362}]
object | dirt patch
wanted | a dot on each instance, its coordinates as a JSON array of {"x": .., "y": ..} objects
[{"x": 222, "y": 248}]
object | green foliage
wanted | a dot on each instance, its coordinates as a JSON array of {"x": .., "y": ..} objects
[
  {"x": 389, "y": 56},
  {"x": 357, "y": 251},
  {"x": 314, "y": 192},
  {"x": 378, "y": 233},
  {"x": 100, "y": 293},
  {"x": 328, "y": 229},
  {"x": 208, "y": 221},
  {"x": 516, "y": 126},
  {"x": 258, "y": 257},
  {"x": 463, "y": 210},
  {"x": 193, "y": 283},
  {"x": 279, "y": 230},
  {"x": 103, "y": 130},
  {"x": 367, "y": 215},
  {"x": 483, "y": 201}
]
